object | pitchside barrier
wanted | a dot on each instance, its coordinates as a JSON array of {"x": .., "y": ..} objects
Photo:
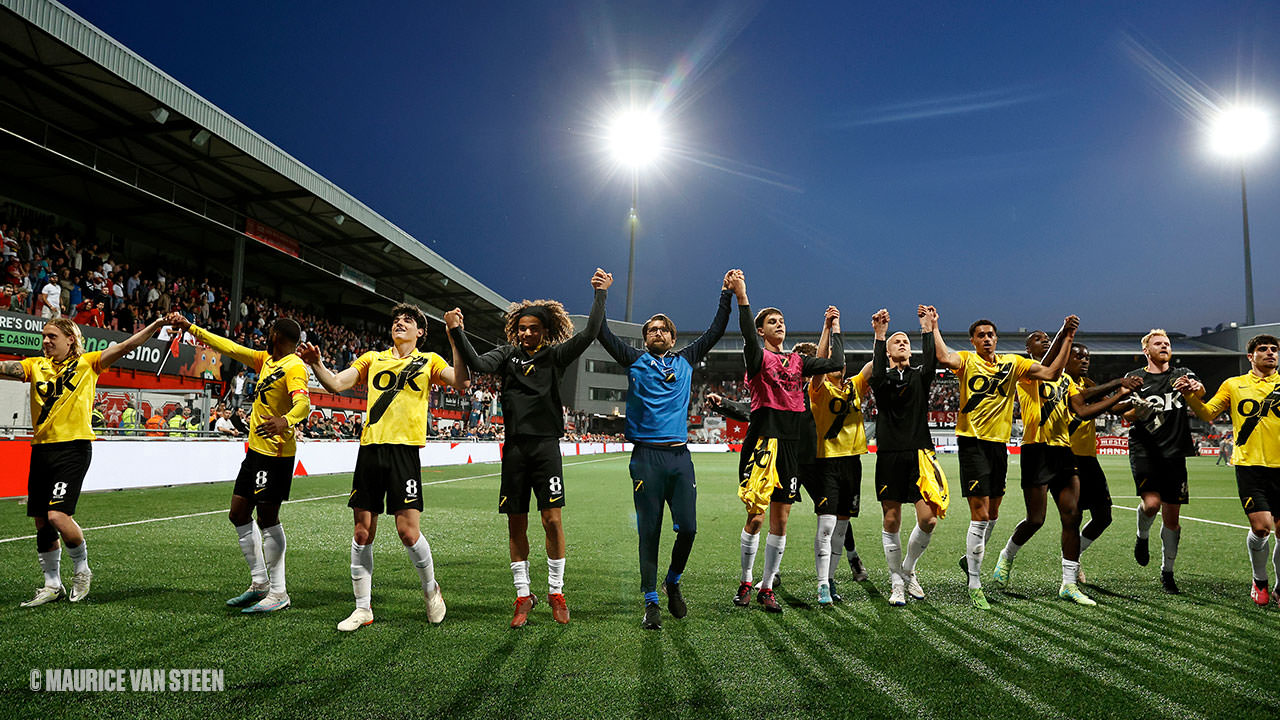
[
  {"x": 130, "y": 463},
  {"x": 127, "y": 463}
]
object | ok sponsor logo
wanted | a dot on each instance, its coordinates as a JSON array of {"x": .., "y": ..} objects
[{"x": 388, "y": 379}]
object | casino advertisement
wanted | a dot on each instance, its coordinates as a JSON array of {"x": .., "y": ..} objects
[{"x": 20, "y": 334}]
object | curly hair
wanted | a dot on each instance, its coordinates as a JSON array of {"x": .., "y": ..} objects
[{"x": 555, "y": 320}]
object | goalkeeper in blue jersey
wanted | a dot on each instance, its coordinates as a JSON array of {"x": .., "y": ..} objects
[{"x": 658, "y": 387}]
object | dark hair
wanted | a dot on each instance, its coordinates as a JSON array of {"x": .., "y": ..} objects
[
  {"x": 806, "y": 348},
  {"x": 414, "y": 313},
  {"x": 671, "y": 327},
  {"x": 287, "y": 329},
  {"x": 764, "y": 314},
  {"x": 555, "y": 321},
  {"x": 1079, "y": 346},
  {"x": 979, "y": 323},
  {"x": 1257, "y": 340}
]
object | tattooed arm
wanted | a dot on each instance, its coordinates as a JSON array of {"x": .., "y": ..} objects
[{"x": 12, "y": 370}]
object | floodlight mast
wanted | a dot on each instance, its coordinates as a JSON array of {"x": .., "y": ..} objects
[{"x": 1240, "y": 132}]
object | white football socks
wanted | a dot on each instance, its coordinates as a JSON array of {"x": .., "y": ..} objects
[
  {"x": 750, "y": 544},
  {"x": 362, "y": 574},
  {"x": 837, "y": 542},
  {"x": 1169, "y": 544},
  {"x": 520, "y": 576},
  {"x": 273, "y": 546},
  {"x": 555, "y": 575},
  {"x": 822, "y": 547},
  {"x": 51, "y": 565},
  {"x": 1144, "y": 523},
  {"x": 1011, "y": 548},
  {"x": 916, "y": 545},
  {"x": 79, "y": 557},
  {"x": 774, "y": 545},
  {"x": 251, "y": 545},
  {"x": 1070, "y": 571},
  {"x": 975, "y": 548},
  {"x": 1257, "y": 545},
  {"x": 893, "y": 555},
  {"x": 420, "y": 554}
]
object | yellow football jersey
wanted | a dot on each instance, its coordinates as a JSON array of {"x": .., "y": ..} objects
[
  {"x": 1254, "y": 403},
  {"x": 62, "y": 397},
  {"x": 837, "y": 411},
  {"x": 1084, "y": 438},
  {"x": 399, "y": 395},
  {"x": 986, "y": 395},
  {"x": 1046, "y": 410},
  {"x": 279, "y": 382}
]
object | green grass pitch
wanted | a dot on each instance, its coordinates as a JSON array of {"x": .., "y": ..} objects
[{"x": 159, "y": 587}]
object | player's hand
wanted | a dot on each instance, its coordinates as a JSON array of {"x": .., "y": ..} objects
[
  {"x": 831, "y": 318},
  {"x": 309, "y": 353},
  {"x": 728, "y": 280},
  {"x": 1133, "y": 384},
  {"x": 714, "y": 399},
  {"x": 178, "y": 320},
  {"x": 1071, "y": 324},
  {"x": 1142, "y": 408},
  {"x": 453, "y": 319},
  {"x": 880, "y": 323},
  {"x": 928, "y": 317},
  {"x": 272, "y": 425},
  {"x": 601, "y": 280}
]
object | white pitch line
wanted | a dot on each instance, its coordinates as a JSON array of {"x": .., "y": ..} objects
[
  {"x": 1188, "y": 517},
  {"x": 286, "y": 502}
]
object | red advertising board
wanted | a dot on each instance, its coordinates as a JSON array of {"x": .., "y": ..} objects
[
  {"x": 1113, "y": 445},
  {"x": 272, "y": 237}
]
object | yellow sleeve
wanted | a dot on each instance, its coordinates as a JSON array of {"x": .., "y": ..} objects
[
  {"x": 295, "y": 381},
  {"x": 251, "y": 358},
  {"x": 435, "y": 366},
  {"x": 362, "y": 363},
  {"x": 862, "y": 386},
  {"x": 28, "y": 367},
  {"x": 92, "y": 359},
  {"x": 1021, "y": 366},
  {"x": 1207, "y": 411},
  {"x": 1074, "y": 389}
]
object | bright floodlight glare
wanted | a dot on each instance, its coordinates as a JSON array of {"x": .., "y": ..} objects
[
  {"x": 1240, "y": 131},
  {"x": 635, "y": 138}
]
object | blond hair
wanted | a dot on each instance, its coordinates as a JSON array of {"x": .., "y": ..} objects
[
  {"x": 70, "y": 329},
  {"x": 1154, "y": 332}
]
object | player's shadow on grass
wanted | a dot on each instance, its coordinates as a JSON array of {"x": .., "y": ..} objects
[
  {"x": 706, "y": 699},
  {"x": 489, "y": 681}
]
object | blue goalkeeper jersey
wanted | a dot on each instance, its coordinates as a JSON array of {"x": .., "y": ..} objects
[{"x": 658, "y": 386}]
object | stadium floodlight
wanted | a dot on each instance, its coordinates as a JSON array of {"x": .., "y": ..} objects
[
  {"x": 339, "y": 219},
  {"x": 160, "y": 115},
  {"x": 1239, "y": 132},
  {"x": 200, "y": 137},
  {"x": 635, "y": 139}
]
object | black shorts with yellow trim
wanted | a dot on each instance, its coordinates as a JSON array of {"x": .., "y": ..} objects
[
  {"x": 1259, "y": 488},
  {"x": 1094, "y": 492},
  {"x": 984, "y": 465},
  {"x": 1046, "y": 465},
  {"x": 56, "y": 476},
  {"x": 264, "y": 479},
  {"x": 835, "y": 485},
  {"x": 769, "y": 472},
  {"x": 1166, "y": 476},
  {"x": 531, "y": 464},
  {"x": 390, "y": 472},
  {"x": 898, "y": 476}
]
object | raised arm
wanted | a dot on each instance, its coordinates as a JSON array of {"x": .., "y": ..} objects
[
  {"x": 569, "y": 350},
  {"x": 1059, "y": 351},
  {"x": 242, "y": 354},
  {"x": 622, "y": 353},
  {"x": 929, "y": 369},
  {"x": 329, "y": 380},
  {"x": 946, "y": 357},
  {"x": 729, "y": 408},
  {"x": 880, "y": 354},
  {"x": 457, "y": 375},
  {"x": 823, "y": 365},
  {"x": 830, "y": 320},
  {"x": 751, "y": 351},
  {"x": 119, "y": 350}
]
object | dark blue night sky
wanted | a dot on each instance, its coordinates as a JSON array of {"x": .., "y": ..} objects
[{"x": 997, "y": 159}]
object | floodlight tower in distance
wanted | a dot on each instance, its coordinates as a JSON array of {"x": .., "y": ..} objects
[
  {"x": 635, "y": 139},
  {"x": 1240, "y": 132}
]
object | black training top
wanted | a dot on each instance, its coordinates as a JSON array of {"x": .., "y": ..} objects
[
  {"x": 1167, "y": 433},
  {"x": 531, "y": 404},
  {"x": 902, "y": 399}
]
